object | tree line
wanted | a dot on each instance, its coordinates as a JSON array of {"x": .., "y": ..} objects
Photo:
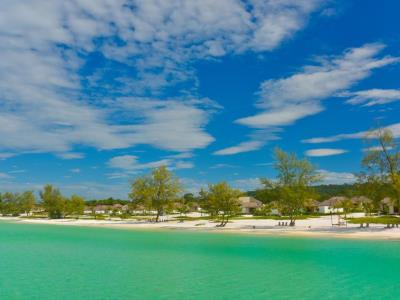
[
  {"x": 52, "y": 201},
  {"x": 160, "y": 191}
]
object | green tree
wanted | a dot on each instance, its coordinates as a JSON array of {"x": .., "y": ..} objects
[
  {"x": 382, "y": 162},
  {"x": 182, "y": 205},
  {"x": 75, "y": 206},
  {"x": 223, "y": 201},
  {"x": 10, "y": 204},
  {"x": 293, "y": 186},
  {"x": 374, "y": 188},
  {"x": 159, "y": 189},
  {"x": 53, "y": 202},
  {"x": 205, "y": 203},
  {"x": 26, "y": 202},
  {"x": 141, "y": 193},
  {"x": 347, "y": 206}
]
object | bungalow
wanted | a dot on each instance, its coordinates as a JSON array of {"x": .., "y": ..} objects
[
  {"x": 361, "y": 201},
  {"x": 117, "y": 209},
  {"x": 331, "y": 205},
  {"x": 102, "y": 209},
  {"x": 249, "y": 204},
  {"x": 388, "y": 206},
  {"x": 88, "y": 210},
  {"x": 311, "y": 205}
]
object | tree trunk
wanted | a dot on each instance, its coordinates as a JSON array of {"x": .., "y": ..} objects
[
  {"x": 222, "y": 224},
  {"x": 226, "y": 220},
  {"x": 292, "y": 220},
  {"x": 158, "y": 215}
]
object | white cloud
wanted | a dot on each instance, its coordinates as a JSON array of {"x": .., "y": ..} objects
[
  {"x": 182, "y": 155},
  {"x": 5, "y": 176},
  {"x": 325, "y": 152},
  {"x": 45, "y": 45},
  {"x": 76, "y": 170},
  {"x": 131, "y": 163},
  {"x": 394, "y": 128},
  {"x": 179, "y": 165},
  {"x": 6, "y": 155},
  {"x": 71, "y": 155},
  {"x": 289, "y": 99},
  {"x": 169, "y": 124},
  {"x": 247, "y": 184},
  {"x": 257, "y": 140},
  {"x": 330, "y": 177},
  {"x": 373, "y": 97},
  {"x": 280, "y": 117},
  {"x": 221, "y": 166},
  {"x": 17, "y": 171},
  {"x": 191, "y": 185},
  {"x": 268, "y": 164},
  {"x": 242, "y": 147},
  {"x": 286, "y": 100},
  {"x": 375, "y": 148}
]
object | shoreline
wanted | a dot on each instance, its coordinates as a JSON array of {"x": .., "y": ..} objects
[{"x": 246, "y": 227}]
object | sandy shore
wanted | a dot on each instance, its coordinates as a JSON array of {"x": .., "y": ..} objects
[{"x": 313, "y": 227}]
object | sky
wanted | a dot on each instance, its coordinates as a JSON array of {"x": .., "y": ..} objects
[{"x": 96, "y": 93}]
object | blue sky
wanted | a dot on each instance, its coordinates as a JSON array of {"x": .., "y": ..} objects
[{"x": 94, "y": 93}]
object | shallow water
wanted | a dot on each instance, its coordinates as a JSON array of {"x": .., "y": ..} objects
[{"x": 62, "y": 262}]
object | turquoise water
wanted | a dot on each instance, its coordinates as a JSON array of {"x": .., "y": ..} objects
[{"x": 59, "y": 262}]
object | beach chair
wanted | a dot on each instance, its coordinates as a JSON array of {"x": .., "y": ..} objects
[{"x": 279, "y": 223}]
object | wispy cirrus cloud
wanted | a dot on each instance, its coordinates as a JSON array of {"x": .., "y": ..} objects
[
  {"x": 372, "y": 97},
  {"x": 247, "y": 184},
  {"x": 5, "y": 176},
  {"x": 129, "y": 164},
  {"x": 242, "y": 147},
  {"x": 331, "y": 177},
  {"x": 324, "y": 152},
  {"x": 286, "y": 100},
  {"x": 145, "y": 46},
  {"x": 394, "y": 128}
]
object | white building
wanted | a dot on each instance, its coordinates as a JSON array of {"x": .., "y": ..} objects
[
  {"x": 249, "y": 204},
  {"x": 331, "y": 205}
]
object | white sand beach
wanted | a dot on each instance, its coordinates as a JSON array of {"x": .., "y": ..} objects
[{"x": 313, "y": 227}]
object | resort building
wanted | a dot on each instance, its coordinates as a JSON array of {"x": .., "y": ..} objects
[
  {"x": 312, "y": 206},
  {"x": 331, "y": 205},
  {"x": 388, "y": 206},
  {"x": 249, "y": 204}
]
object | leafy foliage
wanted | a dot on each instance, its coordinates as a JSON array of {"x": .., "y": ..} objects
[
  {"x": 156, "y": 190},
  {"x": 222, "y": 201},
  {"x": 293, "y": 186}
]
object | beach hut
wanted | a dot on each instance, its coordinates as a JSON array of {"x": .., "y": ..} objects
[
  {"x": 249, "y": 204},
  {"x": 88, "y": 210},
  {"x": 360, "y": 201},
  {"x": 331, "y": 205},
  {"x": 364, "y": 203},
  {"x": 388, "y": 206},
  {"x": 117, "y": 208},
  {"x": 311, "y": 205},
  {"x": 102, "y": 209}
]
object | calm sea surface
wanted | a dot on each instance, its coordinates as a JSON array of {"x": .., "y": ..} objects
[{"x": 60, "y": 262}]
